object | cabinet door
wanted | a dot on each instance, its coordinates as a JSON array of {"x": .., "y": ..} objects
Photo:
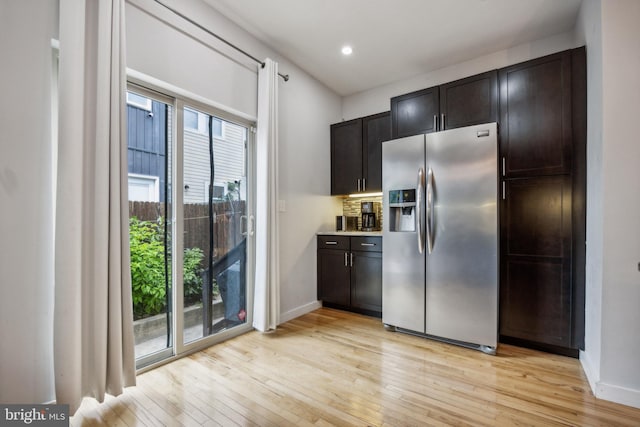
[
  {"x": 346, "y": 157},
  {"x": 535, "y": 116},
  {"x": 535, "y": 289},
  {"x": 366, "y": 281},
  {"x": 415, "y": 113},
  {"x": 469, "y": 101},
  {"x": 334, "y": 277},
  {"x": 376, "y": 130}
]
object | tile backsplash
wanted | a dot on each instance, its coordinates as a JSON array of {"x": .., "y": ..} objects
[{"x": 351, "y": 207}]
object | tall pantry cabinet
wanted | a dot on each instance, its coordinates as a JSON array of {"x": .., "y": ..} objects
[{"x": 542, "y": 116}]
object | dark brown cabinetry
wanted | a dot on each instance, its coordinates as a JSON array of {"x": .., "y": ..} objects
[
  {"x": 366, "y": 273},
  {"x": 350, "y": 273},
  {"x": 415, "y": 113},
  {"x": 535, "y": 116},
  {"x": 536, "y": 262},
  {"x": 333, "y": 267},
  {"x": 465, "y": 102},
  {"x": 375, "y": 130},
  {"x": 470, "y": 101},
  {"x": 346, "y": 157},
  {"x": 356, "y": 154},
  {"x": 542, "y": 142}
]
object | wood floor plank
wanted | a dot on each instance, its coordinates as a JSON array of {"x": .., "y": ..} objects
[{"x": 334, "y": 368}]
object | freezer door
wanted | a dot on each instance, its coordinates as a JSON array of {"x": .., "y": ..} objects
[
  {"x": 462, "y": 269},
  {"x": 402, "y": 263}
]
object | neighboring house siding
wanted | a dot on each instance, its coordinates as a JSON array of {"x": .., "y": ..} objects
[
  {"x": 146, "y": 142},
  {"x": 228, "y": 160},
  {"x": 147, "y": 150}
]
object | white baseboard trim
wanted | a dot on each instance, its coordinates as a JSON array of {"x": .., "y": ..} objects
[
  {"x": 299, "y": 311},
  {"x": 604, "y": 391},
  {"x": 589, "y": 370},
  {"x": 618, "y": 394}
]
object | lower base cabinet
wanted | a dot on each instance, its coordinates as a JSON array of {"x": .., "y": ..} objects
[
  {"x": 536, "y": 289},
  {"x": 350, "y": 273}
]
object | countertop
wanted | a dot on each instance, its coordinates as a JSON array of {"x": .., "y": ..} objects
[{"x": 349, "y": 233}]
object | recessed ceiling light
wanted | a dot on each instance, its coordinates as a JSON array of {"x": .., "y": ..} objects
[{"x": 346, "y": 50}]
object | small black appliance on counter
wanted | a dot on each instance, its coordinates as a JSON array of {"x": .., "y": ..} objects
[
  {"x": 369, "y": 210},
  {"x": 346, "y": 223}
]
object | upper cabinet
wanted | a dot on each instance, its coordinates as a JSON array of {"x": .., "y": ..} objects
[
  {"x": 535, "y": 116},
  {"x": 375, "y": 130},
  {"x": 356, "y": 154},
  {"x": 346, "y": 157},
  {"x": 470, "y": 101},
  {"x": 465, "y": 102},
  {"x": 415, "y": 113}
]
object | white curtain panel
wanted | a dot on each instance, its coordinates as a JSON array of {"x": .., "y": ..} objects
[
  {"x": 93, "y": 319},
  {"x": 266, "y": 303}
]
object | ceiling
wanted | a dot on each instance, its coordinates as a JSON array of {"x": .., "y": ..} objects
[{"x": 393, "y": 39}]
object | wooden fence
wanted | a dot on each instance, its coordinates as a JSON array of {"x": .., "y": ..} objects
[{"x": 227, "y": 231}]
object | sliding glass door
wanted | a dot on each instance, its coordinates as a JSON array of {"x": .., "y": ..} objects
[
  {"x": 190, "y": 204},
  {"x": 215, "y": 220},
  {"x": 149, "y": 152}
]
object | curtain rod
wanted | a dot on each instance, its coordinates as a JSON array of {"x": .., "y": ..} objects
[{"x": 285, "y": 77}]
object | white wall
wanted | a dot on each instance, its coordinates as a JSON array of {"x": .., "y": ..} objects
[
  {"x": 306, "y": 110},
  {"x": 170, "y": 49},
  {"x": 589, "y": 33},
  {"x": 167, "y": 48},
  {"x": 611, "y": 355},
  {"x": 621, "y": 252},
  {"x": 26, "y": 225},
  {"x": 377, "y": 100}
]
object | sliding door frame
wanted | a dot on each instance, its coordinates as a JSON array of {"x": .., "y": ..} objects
[
  {"x": 178, "y": 98},
  {"x": 168, "y": 352}
]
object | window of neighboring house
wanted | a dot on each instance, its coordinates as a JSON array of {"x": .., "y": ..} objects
[
  {"x": 138, "y": 101},
  {"x": 196, "y": 121},
  {"x": 144, "y": 188},
  {"x": 218, "y": 191},
  {"x": 218, "y": 128}
]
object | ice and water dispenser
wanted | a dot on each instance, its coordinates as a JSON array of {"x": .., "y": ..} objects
[{"x": 402, "y": 210}]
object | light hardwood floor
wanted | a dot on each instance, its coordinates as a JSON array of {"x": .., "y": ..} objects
[{"x": 335, "y": 368}]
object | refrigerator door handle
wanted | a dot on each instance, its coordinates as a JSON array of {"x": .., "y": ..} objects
[
  {"x": 430, "y": 210},
  {"x": 419, "y": 216}
]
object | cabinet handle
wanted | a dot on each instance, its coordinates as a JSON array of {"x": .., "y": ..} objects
[
  {"x": 367, "y": 244},
  {"x": 351, "y": 259},
  {"x": 330, "y": 243},
  {"x": 442, "y": 121},
  {"x": 346, "y": 260},
  {"x": 364, "y": 184},
  {"x": 435, "y": 122},
  {"x": 504, "y": 190},
  {"x": 503, "y": 166},
  {"x": 358, "y": 184}
]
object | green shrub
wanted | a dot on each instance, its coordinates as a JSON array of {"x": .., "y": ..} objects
[
  {"x": 192, "y": 276},
  {"x": 148, "y": 268}
]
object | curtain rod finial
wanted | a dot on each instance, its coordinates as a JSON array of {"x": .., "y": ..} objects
[{"x": 286, "y": 77}]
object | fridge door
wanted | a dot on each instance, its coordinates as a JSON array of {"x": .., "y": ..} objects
[
  {"x": 462, "y": 268},
  {"x": 403, "y": 265}
]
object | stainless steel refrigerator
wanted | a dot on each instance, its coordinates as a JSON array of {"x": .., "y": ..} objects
[{"x": 440, "y": 262}]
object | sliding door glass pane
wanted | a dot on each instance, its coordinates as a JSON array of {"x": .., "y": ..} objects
[
  {"x": 215, "y": 188},
  {"x": 149, "y": 157}
]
